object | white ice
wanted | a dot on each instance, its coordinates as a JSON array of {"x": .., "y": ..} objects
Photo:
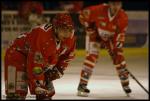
[{"x": 102, "y": 87}]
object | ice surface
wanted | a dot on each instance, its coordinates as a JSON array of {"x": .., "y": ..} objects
[
  {"x": 102, "y": 87},
  {"x": 104, "y": 83}
]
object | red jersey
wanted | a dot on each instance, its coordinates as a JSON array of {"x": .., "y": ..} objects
[
  {"x": 42, "y": 49},
  {"x": 107, "y": 26}
]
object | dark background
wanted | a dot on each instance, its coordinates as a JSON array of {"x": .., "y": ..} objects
[
  {"x": 51, "y": 4},
  {"x": 139, "y": 38}
]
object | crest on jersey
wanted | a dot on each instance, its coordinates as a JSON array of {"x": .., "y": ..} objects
[
  {"x": 38, "y": 58},
  {"x": 37, "y": 70}
]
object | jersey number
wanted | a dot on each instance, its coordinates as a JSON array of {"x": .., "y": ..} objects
[{"x": 47, "y": 27}]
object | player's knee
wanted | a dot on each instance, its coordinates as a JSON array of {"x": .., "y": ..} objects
[
  {"x": 92, "y": 57},
  {"x": 118, "y": 58},
  {"x": 90, "y": 61}
]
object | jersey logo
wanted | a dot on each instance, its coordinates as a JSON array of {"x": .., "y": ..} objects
[{"x": 38, "y": 58}]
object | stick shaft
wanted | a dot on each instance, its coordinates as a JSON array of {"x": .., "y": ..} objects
[{"x": 137, "y": 81}]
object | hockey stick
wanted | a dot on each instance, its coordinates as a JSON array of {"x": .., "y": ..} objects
[{"x": 137, "y": 81}]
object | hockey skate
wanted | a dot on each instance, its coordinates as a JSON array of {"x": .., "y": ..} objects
[
  {"x": 83, "y": 90},
  {"x": 127, "y": 90}
]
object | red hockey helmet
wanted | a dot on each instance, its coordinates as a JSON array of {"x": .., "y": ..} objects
[{"x": 63, "y": 20}]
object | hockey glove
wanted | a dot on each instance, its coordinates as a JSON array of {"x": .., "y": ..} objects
[{"x": 54, "y": 73}]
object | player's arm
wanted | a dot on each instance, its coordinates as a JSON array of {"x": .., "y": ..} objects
[
  {"x": 51, "y": 71},
  {"x": 45, "y": 56},
  {"x": 86, "y": 18},
  {"x": 119, "y": 38},
  {"x": 58, "y": 70},
  {"x": 68, "y": 56},
  {"x": 50, "y": 68}
]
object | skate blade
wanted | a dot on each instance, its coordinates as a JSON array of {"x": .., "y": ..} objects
[{"x": 83, "y": 94}]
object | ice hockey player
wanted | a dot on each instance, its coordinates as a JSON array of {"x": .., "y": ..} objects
[
  {"x": 105, "y": 26},
  {"x": 38, "y": 57}
]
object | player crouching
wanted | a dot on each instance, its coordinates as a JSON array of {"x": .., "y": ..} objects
[{"x": 36, "y": 58}]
